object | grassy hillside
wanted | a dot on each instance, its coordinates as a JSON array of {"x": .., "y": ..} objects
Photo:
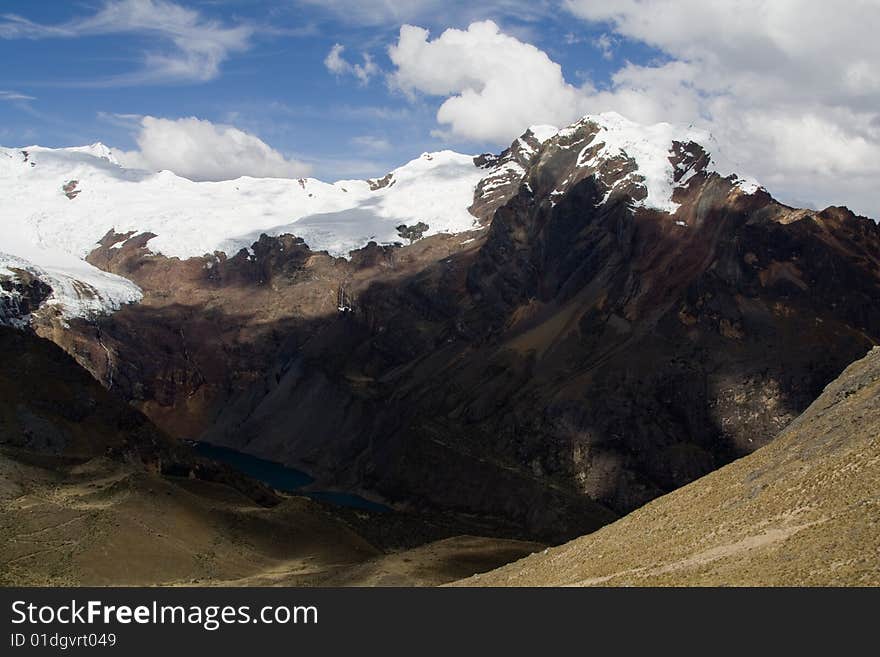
[
  {"x": 803, "y": 510},
  {"x": 92, "y": 493}
]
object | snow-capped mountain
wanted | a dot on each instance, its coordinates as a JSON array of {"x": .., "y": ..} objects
[
  {"x": 69, "y": 198},
  {"x": 622, "y": 154},
  {"x": 594, "y": 316},
  {"x": 59, "y": 203}
]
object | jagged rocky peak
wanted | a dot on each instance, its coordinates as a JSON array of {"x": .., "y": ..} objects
[
  {"x": 507, "y": 170},
  {"x": 520, "y": 151},
  {"x": 647, "y": 163}
]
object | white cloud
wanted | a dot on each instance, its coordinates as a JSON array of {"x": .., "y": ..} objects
[
  {"x": 337, "y": 64},
  {"x": 194, "y": 47},
  {"x": 789, "y": 88},
  {"x": 496, "y": 85},
  {"x": 13, "y": 96},
  {"x": 200, "y": 150},
  {"x": 375, "y": 13},
  {"x": 372, "y": 143},
  {"x": 605, "y": 44}
]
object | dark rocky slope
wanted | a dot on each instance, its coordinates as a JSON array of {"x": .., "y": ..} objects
[
  {"x": 92, "y": 493},
  {"x": 53, "y": 412},
  {"x": 801, "y": 511}
]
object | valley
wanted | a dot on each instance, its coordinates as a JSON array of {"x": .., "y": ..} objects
[
  {"x": 100, "y": 523},
  {"x": 472, "y": 357},
  {"x": 92, "y": 494}
]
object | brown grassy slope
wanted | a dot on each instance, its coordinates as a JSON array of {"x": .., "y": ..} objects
[
  {"x": 803, "y": 510},
  {"x": 83, "y": 502},
  {"x": 434, "y": 563},
  {"x": 108, "y": 523}
]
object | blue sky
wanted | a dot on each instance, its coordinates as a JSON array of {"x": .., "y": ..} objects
[
  {"x": 790, "y": 90},
  {"x": 85, "y": 88}
]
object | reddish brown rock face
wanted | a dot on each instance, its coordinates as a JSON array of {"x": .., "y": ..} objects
[{"x": 568, "y": 363}]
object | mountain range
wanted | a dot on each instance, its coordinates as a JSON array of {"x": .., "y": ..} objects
[{"x": 534, "y": 343}]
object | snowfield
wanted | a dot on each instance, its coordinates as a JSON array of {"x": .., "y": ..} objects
[
  {"x": 58, "y": 203},
  {"x": 78, "y": 288},
  {"x": 194, "y": 218},
  {"x": 46, "y": 232}
]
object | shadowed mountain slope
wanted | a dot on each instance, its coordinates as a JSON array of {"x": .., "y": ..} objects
[
  {"x": 92, "y": 493},
  {"x": 803, "y": 510}
]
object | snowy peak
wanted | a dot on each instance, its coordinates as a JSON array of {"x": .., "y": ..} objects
[
  {"x": 69, "y": 198},
  {"x": 59, "y": 203},
  {"x": 63, "y": 201},
  {"x": 505, "y": 172},
  {"x": 93, "y": 154},
  {"x": 646, "y": 164},
  {"x": 645, "y": 161},
  {"x": 98, "y": 150}
]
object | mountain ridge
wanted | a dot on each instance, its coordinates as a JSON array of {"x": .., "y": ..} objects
[
  {"x": 578, "y": 348},
  {"x": 51, "y": 235}
]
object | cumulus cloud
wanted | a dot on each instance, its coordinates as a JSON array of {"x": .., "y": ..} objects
[
  {"x": 337, "y": 64},
  {"x": 200, "y": 150},
  {"x": 789, "y": 89},
  {"x": 496, "y": 85},
  {"x": 188, "y": 46}
]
